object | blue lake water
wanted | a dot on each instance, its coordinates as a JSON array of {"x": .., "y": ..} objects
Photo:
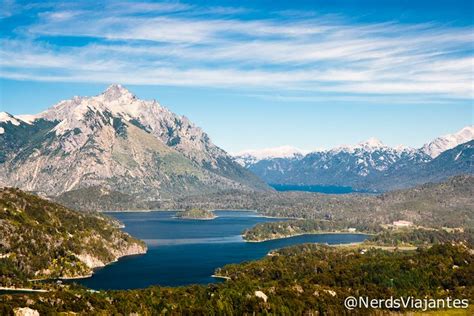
[{"x": 182, "y": 251}]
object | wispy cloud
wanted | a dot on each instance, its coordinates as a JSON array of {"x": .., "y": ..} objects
[
  {"x": 178, "y": 44},
  {"x": 8, "y": 7}
]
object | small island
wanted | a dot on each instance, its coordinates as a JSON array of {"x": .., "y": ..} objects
[{"x": 196, "y": 214}]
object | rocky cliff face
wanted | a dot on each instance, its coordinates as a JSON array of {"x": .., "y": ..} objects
[
  {"x": 93, "y": 262},
  {"x": 119, "y": 142}
]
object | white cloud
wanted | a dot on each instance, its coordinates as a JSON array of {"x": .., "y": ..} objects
[{"x": 176, "y": 44}]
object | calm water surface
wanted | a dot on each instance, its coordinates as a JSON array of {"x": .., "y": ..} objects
[{"x": 184, "y": 252}]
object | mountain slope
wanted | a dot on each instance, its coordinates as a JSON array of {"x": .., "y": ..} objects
[
  {"x": 443, "y": 143},
  {"x": 41, "y": 239},
  {"x": 343, "y": 166},
  {"x": 456, "y": 161},
  {"x": 118, "y": 142}
]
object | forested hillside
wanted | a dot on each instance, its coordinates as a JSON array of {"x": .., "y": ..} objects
[
  {"x": 41, "y": 239},
  {"x": 301, "y": 280}
]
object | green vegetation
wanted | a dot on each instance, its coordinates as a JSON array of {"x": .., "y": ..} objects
[
  {"x": 435, "y": 205},
  {"x": 422, "y": 237},
  {"x": 274, "y": 230},
  {"x": 307, "y": 279},
  {"x": 441, "y": 213},
  {"x": 447, "y": 204},
  {"x": 41, "y": 239},
  {"x": 381, "y": 236},
  {"x": 301, "y": 280},
  {"x": 196, "y": 214}
]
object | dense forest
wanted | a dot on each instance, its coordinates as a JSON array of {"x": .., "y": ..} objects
[
  {"x": 43, "y": 239},
  {"x": 281, "y": 229},
  {"x": 307, "y": 279},
  {"x": 429, "y": 205},
  {"x": 446, "y": 204},
  {"x": 423, "y": 237},
  {"x": 380, "y": 235}
]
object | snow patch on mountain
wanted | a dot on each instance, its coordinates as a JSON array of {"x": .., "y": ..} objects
[
  {"x": 121, "y": 142},
  {"x": 27, "y": 118},
  {"x": 273, "y": 152},
  {"x": 443, "y": 143},
  {"x": 8, "y": 118},
  {"x": 247, "y": 157},
  {"x": 87, "y": 114},
  {"x": 370, "y": 144}
]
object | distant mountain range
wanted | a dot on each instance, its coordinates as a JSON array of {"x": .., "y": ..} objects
[
  {"x": 119, "y": 143},
  {"x": 127, "y": 149},
  {"x": 369, "y": 165}
]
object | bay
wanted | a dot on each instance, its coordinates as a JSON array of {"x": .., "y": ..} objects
[{"x": 183, "y": 251}]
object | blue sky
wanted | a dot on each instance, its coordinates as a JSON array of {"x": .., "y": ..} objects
[{"x": 254, "y": 74}]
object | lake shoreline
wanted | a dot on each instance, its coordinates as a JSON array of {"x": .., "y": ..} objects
[
  {"x": 196, "y": 218},
  {"x": 189, "y": 251},
  {"x": 305, "y": 234},
  {"x": 213, "y": 210},
  {"x": 89, "y": 275},
  {"x": 221, "y": 277}
]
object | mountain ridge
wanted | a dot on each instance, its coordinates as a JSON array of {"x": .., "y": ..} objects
[
  {"x": 449, "y": 141},
  {"x": 369, "y": 165}
]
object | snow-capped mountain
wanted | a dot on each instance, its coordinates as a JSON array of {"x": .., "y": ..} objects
[
  {"x": 249, "y": 157},
  {"x": 8, "y": 119},
  {"x": 367, "y": 165},
  {"x": 119, "y": 103},
  {"x": 370, "y": 144},
  {"x": 443, "y": 143},
  {"x": 117, "y": 141}
]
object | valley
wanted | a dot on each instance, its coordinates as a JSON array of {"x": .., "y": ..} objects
[
  {"x": 223, "y": 158},
  {"x": 114, "y": 203},
  {"x": 115, "y": 151},
  {"x": 183, "y": 252}
]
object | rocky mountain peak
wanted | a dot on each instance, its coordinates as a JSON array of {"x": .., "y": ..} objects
[
  {"x": 7, "y": 117},
  {"x": 443, "y": 143},
  {"x": 115, "y": 92},
  {"x": 368, "y": 145},
  {"x": 120, "y": 141},
  {"x": 273, "y": 152},
  {"x": 16, "y": 120},
  {"x": 372, "y": 142}
]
